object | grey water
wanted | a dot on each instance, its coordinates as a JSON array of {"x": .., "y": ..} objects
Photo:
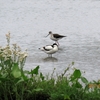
[{"x": 29, "y": 21}]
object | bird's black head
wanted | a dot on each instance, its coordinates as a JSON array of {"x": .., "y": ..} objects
[{"x": 50, "y": 32}]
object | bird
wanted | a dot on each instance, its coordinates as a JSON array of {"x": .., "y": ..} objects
[
  {"x": 50, "y": 49},
  {"x": 55, "y": 37}
]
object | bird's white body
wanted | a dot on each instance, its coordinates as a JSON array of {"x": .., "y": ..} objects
[{"x": 50, "y": 49}]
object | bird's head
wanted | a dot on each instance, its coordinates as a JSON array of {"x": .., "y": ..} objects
[{"x": 50, "y": 32}]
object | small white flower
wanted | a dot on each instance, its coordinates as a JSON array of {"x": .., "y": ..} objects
[
  {"x": 19, "y": 49},
  {"x": 14, "y": 46},
  {"x": 25, "y": 55},
  {"x": 8, "y": 35}
]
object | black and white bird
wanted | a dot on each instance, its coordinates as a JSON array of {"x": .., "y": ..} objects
[
  {"x": 55, "y": 37},
  {"x": 50, "y": 49}
]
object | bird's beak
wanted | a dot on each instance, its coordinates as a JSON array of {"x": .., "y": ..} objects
[{"x": 47, "y": 35}]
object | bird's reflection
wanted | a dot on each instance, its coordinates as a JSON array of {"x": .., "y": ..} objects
[{"x": 51, "y": 59}]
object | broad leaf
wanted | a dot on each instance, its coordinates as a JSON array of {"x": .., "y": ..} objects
[
  {"x": 77, "y": 73},
  {"x": 84, "y": 80},
  {"x": 16, "y": 72},
  {"x": 35, "y": 71}
]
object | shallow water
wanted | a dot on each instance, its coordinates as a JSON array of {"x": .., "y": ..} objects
[{"x": 29, "y": 21}]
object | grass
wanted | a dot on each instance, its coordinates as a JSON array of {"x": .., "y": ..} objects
[{"x": 18, "y": 84}]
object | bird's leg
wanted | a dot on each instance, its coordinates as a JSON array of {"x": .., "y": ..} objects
[
  {"x": 57, "y": 43},
  {"x": 48, "y": 55}
]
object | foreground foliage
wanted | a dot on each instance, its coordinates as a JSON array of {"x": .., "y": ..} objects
[{"x": 18, "y": 84}]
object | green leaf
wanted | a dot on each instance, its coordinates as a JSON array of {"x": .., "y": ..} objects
[
  {"x": 84, "y": 80},
  {"x": 19, "y": 81},
  {"x": 66, "y": 97},
  {"x": 77, "y": 73},
  {"x": 78, "y": 85},
  {"x": 38, "y": 89},
  {"x": 16, "y": 72},
  {"x": 35, "y": 71},
  {"x": 24, "y": 76},
  {"x": 41, "y": 76}
]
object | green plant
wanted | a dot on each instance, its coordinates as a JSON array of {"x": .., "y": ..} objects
[{"x": 18, "y": 84}]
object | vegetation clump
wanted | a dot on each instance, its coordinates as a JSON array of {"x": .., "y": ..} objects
[{"x": 18, "y": 84}]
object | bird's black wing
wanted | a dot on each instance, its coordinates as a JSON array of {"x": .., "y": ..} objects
[{"x": 58, "y": 36}]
